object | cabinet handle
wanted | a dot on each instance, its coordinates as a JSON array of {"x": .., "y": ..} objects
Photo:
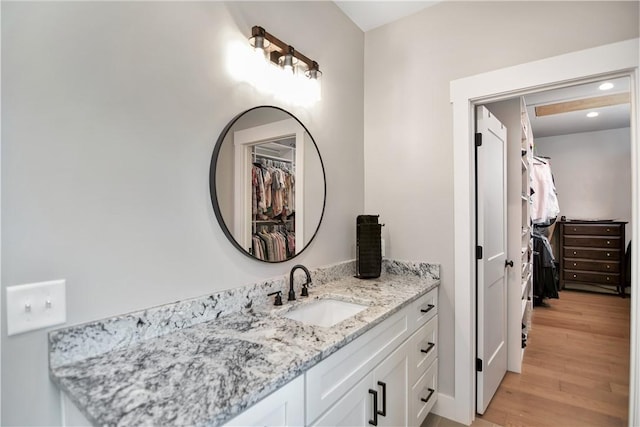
[
  {"x": 575, "y": 229},
  {"x": 608, "y": 254},
  {"x": 574, "y": 276},
  {"x": 608, "y": 278},
  {"x": 608, "y": 266},
  {"x": 384, "y": 399},
  {"x": 608, "y": 230},
  {"x": 575, "y": 253},
  {"x": 429, "y": 308},
  {"x": 574, "y": 264},
  {"x": 608, "y": 242},
  {"x": 430, "y": 346},
  {"x": 374, "y": 421},
  {"x": 426, "y": 399}
]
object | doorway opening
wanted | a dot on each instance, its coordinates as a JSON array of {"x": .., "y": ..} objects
[
  {"x": 589, "y": 162},
  {"x": 613, "y": 60}
]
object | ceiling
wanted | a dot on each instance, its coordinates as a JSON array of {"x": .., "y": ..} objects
[
  {"x": 563, "y": 123},
  {"x": 368, "y": 15},
  {"x": 371, "y": 14}
]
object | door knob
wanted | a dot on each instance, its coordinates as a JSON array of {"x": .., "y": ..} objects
[{"x": 508, "y": 263}]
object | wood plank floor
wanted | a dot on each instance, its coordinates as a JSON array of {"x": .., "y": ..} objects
[{"x": 575, "y": 369}]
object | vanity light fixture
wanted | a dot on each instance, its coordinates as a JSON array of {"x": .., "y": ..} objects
[
  {"x": 283, "y": 54},
  {"x": 592, "y": 114}
]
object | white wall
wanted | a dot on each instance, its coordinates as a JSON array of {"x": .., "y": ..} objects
[
  {"x": 110, "y": 113},
  {"x": 592, "y": 173},
  {"x": 408, "y": 122}
]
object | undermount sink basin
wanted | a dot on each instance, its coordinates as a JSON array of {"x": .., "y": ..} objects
[{"x": 324, "y": 312}]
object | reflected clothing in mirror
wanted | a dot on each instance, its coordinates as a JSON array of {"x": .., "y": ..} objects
[{"x": 267, "y": 184}]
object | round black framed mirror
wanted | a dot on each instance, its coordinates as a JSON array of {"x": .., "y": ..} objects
[{"x": 267, "y": 184}]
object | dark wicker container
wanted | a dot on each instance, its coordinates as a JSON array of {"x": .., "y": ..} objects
[{"x": 368, "y": 248}]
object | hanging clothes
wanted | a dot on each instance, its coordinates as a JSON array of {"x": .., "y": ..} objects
[
  {"x": 545, "y": 275},
  {"x": 545, "y": 207}
]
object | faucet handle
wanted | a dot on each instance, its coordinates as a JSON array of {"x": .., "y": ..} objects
[
  {"x": 305, "y": 290},
  {"x": 278, "y": 299}
]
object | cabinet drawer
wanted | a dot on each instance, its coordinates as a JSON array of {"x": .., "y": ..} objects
[
  {"x": 600, "y": 254},
  {"x": 425, "y": 307},
  {"x": 423, "y": 347},
  {"x": 423, "y": 395},
  {"x": 327, "y": 381},
  {"x": 594, "y": 229},
  {"x": 600, "y": 266},
  {"x": 592, "y": 241},
  {"x": 585, "y": 276}
]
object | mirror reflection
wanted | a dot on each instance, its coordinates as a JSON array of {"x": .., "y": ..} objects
[{"x": 267, "y": 184}]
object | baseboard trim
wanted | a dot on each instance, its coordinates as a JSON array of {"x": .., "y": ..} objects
[{"x": 446, "y": 407}]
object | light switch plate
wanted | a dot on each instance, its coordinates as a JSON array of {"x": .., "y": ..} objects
[{"x": 35, "y": 305}]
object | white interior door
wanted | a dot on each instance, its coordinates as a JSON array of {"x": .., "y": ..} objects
[{"x": 491, "y": 157}]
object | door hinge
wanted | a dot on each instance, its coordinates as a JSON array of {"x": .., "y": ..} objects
[
  {"x": 478, "y": 252},
  {"x": 479, "y": 365},
  {"x": 478, "y": 139}
]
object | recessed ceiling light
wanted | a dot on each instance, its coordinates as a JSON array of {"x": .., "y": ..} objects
[
  {"x": 606, "y": 86},
  {"x": 592, "y": 114}
]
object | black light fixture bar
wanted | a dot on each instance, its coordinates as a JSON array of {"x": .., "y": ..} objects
[{"x": 277, "y": 49}]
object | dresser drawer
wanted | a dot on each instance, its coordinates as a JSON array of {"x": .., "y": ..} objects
[
  {"x": 594, "y": 230},
  {"x": 592, "y": 241},
  {"x": 585, "y": 276},
  {"x": 585, "y": 253},
  {"x": 600, "y": 266}
]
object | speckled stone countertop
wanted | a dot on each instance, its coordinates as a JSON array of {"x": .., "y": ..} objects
[{"x": 162, "y": 367}]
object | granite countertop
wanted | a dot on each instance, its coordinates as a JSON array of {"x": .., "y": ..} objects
[{"x": 209, "y": 372}]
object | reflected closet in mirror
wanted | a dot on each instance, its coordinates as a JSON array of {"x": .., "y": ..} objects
[{"x": 267, "y": 184}]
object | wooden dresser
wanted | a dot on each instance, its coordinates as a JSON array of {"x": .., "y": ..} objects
[{"x": 592, "y": 253}]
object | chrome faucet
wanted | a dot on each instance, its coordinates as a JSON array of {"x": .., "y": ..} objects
[{"x": 305, "y": 292}]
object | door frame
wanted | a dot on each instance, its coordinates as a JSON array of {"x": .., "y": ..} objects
[{"x": 612, "y": 60}]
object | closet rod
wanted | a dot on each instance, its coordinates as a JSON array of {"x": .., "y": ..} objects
[{"x": 266, "y": 156}]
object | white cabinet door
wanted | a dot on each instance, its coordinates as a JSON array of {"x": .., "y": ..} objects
[
  {"x": 354, "y": 408},
  {"x": 391, "y": 379},
  {"x": 284, "y": 407}
]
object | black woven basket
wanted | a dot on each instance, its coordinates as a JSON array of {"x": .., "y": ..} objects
[{"x": 368, "y": 248}]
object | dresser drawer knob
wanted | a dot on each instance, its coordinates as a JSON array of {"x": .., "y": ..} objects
[
  {"x": 574, "y": 276},
  {"x": 608, "y": 278},
  {"x": 575, "y": 229},
  {"x": 608, "y": 266},
  {"x": 575, "y": 264},
  {"x": 608, "y": 242},
  {"x": 608, "y": 230},
  {"x": 608, "y": 254},
  {"x": 575, "y": 253}
]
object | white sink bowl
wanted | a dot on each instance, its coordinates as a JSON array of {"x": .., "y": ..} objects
[{"x": 324, "y": 312}]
